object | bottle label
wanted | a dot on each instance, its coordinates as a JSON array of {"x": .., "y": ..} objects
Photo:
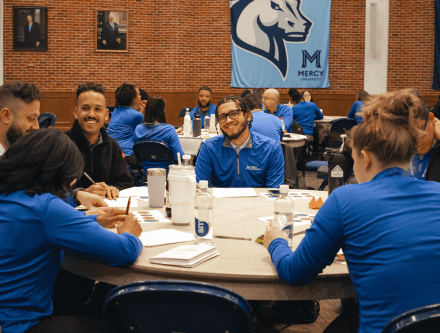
[{"x": 202, "y": 228}]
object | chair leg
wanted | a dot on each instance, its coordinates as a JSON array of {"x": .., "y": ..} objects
[{"x": 323, "y": 184}]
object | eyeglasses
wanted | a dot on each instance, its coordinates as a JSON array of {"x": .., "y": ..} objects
[
  {"x": 234, "y": 114},
  {"x": 424, "y": 128},
  {"x": 265, "y": 97}
]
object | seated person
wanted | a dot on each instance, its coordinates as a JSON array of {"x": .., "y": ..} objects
[
  {"x": 32, "y": 242},
  {"x": 155, "y": 127},
  {"x": 263, "y": 123},
  {"x": 393, "y": 263},
  {"x": 129, "y": 112},
  {"x": 305, "y": 113},
  {"x": 425, "y": 164},
  {"x": 271, "y": 98},
  {"x": 104, "y": 161},
  {"x": 307, "y": 96},
  {"x": 239, "y": 158},
  {"x": 356, "y": 109},
  {"x": 204, "y": 97}
]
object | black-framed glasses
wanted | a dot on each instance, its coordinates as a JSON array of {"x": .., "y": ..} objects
[
  {"x": 234, "y": 114},
  {"x": 421, "y": 136}
]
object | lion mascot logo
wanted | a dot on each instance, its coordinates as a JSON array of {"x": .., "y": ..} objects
[{"x": 263, "y": 27}]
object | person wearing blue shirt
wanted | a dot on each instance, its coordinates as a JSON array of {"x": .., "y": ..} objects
[
  {"x": 305, "y": 113},
  {"x": 271, "y": 104},
  {"x": 204, "y": 97},
  {"x": 262, "y": 122},
  {"x": 129, "y": 112},
  {"x": 36, "y": 228},
  {"x": 387, "y": 225},
  {"x": 155, "y": 128},
  {"x": 362, "y": 97},
  {"x": 239, "y": 158}
]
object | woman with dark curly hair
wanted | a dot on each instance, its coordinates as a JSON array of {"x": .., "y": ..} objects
[{"x": 36, "y": 227}]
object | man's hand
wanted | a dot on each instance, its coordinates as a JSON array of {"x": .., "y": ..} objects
[
  {"x": 90, "y": 200},
  {"x": 118, "y": 40},
  {"x": 37, "y": 44},
  {"x": 112, "y": 192},
  {"x": 104, "y": 42},
  {"x": 108, "y": 217},
  {"x": 98, "y": 189},
  {"x": 437, "y": 128},
  {"x": 273, "y": 231},
  {"x": 130, "y": 225}
]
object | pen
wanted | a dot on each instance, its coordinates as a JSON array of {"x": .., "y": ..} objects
[
  {"x": 90, "y": 178},
  {"x": 128, "y": 205},
  {"x": 231, "y": 237}
]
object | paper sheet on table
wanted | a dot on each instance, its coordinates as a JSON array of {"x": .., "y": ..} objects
[
  {"x": 295, "y": 223},
  {"x": 121, "y": 202},
  {"x": 220, "y": 192},
  {"x": 134, "y": 192},
  {"x": 165, "y": 236}
]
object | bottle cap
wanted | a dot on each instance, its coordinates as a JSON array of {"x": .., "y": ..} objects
[
  {"x": 186, "y": 157},
  {"x": 203, "y": 184},
  {"x": 284, "y": 188}
]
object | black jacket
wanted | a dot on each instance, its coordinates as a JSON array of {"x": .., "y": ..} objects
[
  {"x": 104, "y": 163},
  {"x": 433, "y": 170},
  {"x": 31, "y": 38}
]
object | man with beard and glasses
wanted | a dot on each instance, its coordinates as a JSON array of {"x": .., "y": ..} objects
[
  {"x": 239, "y": 157},
  {"x": 205, "y": 107},
  {"x": 104, "y": 160}
]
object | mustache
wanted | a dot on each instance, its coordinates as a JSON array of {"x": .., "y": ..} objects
[{"x": 86, "y": 119}]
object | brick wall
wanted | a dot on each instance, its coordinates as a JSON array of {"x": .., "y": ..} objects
[{"x": 181, "y": 47}]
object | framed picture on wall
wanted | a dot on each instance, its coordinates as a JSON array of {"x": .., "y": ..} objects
[
  {"x": 111, "y": 30},
  {"x": 30, "y": 28}
]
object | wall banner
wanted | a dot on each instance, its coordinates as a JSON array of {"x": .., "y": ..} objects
[{"x": 280, "y": 43}]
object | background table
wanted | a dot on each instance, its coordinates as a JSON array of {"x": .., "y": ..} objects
[{"x": 243, "y": 266}]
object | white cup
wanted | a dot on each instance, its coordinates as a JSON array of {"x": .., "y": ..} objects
[{"x": 156, "y": 178}]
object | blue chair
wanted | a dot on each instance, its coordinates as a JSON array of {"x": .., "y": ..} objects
[
  {"x": 137, "y": 178},
  {"x": 176, "y": 306},
  {"x": 421, "y": 320},
  {"x": 46, "y": 120},
  {"x": 150, "y": 150}
]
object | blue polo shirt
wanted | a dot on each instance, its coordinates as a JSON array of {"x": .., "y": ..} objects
[
  {"x": 305, "y": 113},
  {"x": 211, "y": 112},
  {"x": 357, "y": 106},
  {"x": 284, "y": 111},
  {"x": 267, "y": 124},
  {"x": 259, "y": 164}
]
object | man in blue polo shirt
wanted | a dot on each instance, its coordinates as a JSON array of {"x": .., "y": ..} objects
[
  {"x": 239, "y": 158},
  {"x": 271, "y": 105},
  {"x": 205, "y": 107}
]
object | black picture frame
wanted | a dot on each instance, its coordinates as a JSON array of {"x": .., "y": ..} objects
[
  {"x": 117, "y": 36},
  {"x": 35, "y": 38}
]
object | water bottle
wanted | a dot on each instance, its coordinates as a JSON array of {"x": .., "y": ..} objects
[
  {"x": 203, "y": 214},
  {"x": 283, "y": 127},
  {"x": 206, "y": 123},
  {"x": 187, "y": 123},
  {"x": 336, "y": 166},
  {"x": 197, "y": 123},
  {"x": 284, "y": 212}
]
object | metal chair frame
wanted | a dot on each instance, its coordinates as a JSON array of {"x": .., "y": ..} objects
[{"x": 421, "y": 320}]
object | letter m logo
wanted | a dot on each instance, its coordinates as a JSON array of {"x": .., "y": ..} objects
[{"x": 316, "y": 56}]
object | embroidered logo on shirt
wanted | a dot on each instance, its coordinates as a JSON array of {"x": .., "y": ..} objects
[{"x": 253, "y": 168}]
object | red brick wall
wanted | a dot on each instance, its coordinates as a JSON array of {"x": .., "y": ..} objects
[{"x": 181, "y": 47}]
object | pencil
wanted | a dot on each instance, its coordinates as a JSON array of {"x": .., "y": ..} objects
[
  {"x": 232, "y": 237},
  {"x": 128, "y": 205},
  {"x": 90, "y": 178}
]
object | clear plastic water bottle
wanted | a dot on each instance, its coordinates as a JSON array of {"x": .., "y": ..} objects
[
  {"x": 187, "y": 123},
  {"x": 283, "y": 126},
  {"x": 283, "y": 213},
  {"x": 206, "y": 123},
  {"x": 203, "y": 214}
]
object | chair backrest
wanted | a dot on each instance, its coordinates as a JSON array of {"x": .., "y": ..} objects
[
  {"x": 150, "y": 150},
  {"x": 421, "y": 320},
  {"x": 339, "y": 126},
  {"x": 110, "y": 111},
  {"x": 182, "y": 112},
  {"x": 176, "y": 306},
  {"x": 191, "y": 146},
  {"x": 297, "y": 128},
  {"x": 46, "y": 119}
]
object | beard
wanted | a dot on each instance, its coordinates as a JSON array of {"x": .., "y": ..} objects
[
  {"x": 236, "y": 135},
  {"x": 14, "y": 133},
  {"x": 204, "y": 106}
]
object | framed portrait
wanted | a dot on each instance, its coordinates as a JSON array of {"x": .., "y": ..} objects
[
  {"x": 30, "y": 28},
  {"x": 111, "y": 30}
]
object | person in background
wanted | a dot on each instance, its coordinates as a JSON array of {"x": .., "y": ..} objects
[
  {"x": 110, "y": 34},
  {"x": 104, "y": 161},
  {"x": 263, "y": 123},
  {"x": 304, "y": 113},
  {"x": 129, "y": 112},
  {"x": 204, "y": 98},
  {"x": 32, "y": 242},
  {"x": 394, "y": 267},
  {"x": 246, "y": 92},
  {"x": 155, "y": 128},
  {"x": 361, "y": 97},
  {"x": 239, "y": 157},
  {"x": 307, "y": 96},
  {"x": 436, "y": 109},
  {"x": 271, "y": 102},
  {"x": 32, "y": 32}
]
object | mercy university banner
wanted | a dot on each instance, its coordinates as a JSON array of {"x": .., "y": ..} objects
[{"x": 280, "y": 43}]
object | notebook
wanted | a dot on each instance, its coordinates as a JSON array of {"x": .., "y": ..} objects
[
  {"x": 165, "y": 236},
  {"x": 186, "y": 255}
]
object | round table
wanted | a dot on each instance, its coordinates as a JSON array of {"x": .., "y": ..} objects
[{"x": 243, "y": 266}]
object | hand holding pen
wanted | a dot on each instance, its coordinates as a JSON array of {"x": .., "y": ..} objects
[{"x": 102, "y": 189}]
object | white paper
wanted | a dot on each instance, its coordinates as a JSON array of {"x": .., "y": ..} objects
[
  {"x": 121, "y": 202},
  {"x": 165, "y": 236},
  {"x": 134, "y": 192},
  {"x": 185, "y": 252},
  {"x": 296, "y": 195},
  {"x": 233, "y": 192}
]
